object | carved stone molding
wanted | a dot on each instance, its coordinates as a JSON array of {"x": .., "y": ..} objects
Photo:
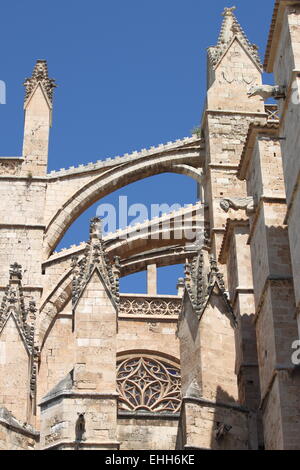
[
  {"x": 149, "y": 306},
  {"x": 8, "y": 167}
]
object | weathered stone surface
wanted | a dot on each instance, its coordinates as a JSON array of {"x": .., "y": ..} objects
[{"x": 83, "y": 367}]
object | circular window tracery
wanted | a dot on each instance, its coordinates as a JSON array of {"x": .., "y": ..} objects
[{"x": 148, "y": 384}]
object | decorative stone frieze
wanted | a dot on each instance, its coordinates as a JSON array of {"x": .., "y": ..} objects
[{"x": 154, "y": 306}]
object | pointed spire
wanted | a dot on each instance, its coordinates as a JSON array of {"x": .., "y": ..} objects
[
  {"x": 39, "y": 76},
  {"x": 13, "y": 304},
  {"x": 202, "y": 276},
  {"x": 231, "y": 29},
  {"x": 95, "y": 258}
]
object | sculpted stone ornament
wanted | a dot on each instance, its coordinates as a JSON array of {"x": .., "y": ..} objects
[
  {"x": 267, "y": 91},
  {"x": 13, "y": 304},
  {"x": 228, "y": 11},
  {"x": 95, "y": 257},
  {"x": 201, "y": 279},
  {"x": 193, "y": 390},
  {"x": 40, "y": 75},
  {"x": 222, "y": 430},
  {"x": 243, "y": 203},
  {"x": 232, "y": 29}
]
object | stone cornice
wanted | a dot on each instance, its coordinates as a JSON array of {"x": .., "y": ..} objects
[
  {"x": 269, "y": 129},
  {"x": 100, "y": 445},
  {"x": 229, "y": 229},
  {"x": 150, "y": 416},
  {"x": 241, "y": 291},
  {"x": 271, "y": 279},
  {"x": 214, "y": 404},
  {"x": 69, "y": 394},
  {"x": 263, "y": 199},
  {"x": 276, "y": 371}
]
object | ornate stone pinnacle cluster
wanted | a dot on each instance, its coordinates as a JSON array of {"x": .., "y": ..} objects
[
  {"x": 230, "y": 29},
  {"x": 200, "y": 282},
  {"x": 95, "y": 257},
  {"x": 13, "y": 304},
  {"x": 40, "y": 75}
]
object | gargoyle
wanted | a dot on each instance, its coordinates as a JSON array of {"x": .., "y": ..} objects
[
  {"x": 80, "y": 429},
  {"x": 267, "y": 91},
  {"x": 245, "y": 203},
  {"x": 222, "y": 430}
]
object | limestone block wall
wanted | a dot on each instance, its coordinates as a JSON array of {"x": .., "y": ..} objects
[
  {"x": 57, "y": 354},
  {"x": 236, "y": 254},
  {"x": 14, "y": 435},
  {"x": 155, "y": 433},
  {"x": 21, "y": 234},
  {"x": 59, "y": 418},
  {"x": 210, "y": 394},
  {"x": 276, "y": 327},
  {"x": 225, "y": 134},
  {"x": 157, "y": 335},
  {"x": 201, "y": 423},
  {"x": 14, "y": 372},
  {"x": 286, "y": 71},
  {"x": 210, "y": 340},
  {"x": 235, "y": 72}
]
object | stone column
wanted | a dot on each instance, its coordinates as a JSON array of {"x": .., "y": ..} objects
[{"x": 152, "y": 279}]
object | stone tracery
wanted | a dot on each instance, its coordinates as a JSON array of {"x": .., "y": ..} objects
[{"x": 148, "y": 384}]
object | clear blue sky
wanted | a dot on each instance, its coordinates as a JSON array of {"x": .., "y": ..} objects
[{"x": 130, "y": 74}]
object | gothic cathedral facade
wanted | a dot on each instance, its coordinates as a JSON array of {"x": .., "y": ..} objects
[{"x": 83, "y": 366}]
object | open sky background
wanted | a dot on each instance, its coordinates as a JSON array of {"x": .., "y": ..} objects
[{"x": 130, "y": 74}]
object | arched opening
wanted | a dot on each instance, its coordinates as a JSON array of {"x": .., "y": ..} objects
[
  {"x": 159, "y": 190},
  {"x": 142, "y": 200},
  {"x": 167, "y": 277}
]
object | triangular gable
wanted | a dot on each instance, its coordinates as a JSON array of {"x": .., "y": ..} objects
[
  {"x": 12, "y": 315},
  {"x": 203, "y": 279},
  {"x": 246, "y": 50},
  {"x": 231, "y": 30},
  {"x": 95, "y": 260},
  {"x": 94, "y": 270}
]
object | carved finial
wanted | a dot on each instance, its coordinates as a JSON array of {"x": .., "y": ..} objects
[
  {"x": 96, "y": 228},
  {"x": 231, "y": 28},
  {"x": 40, "y": 75},
  {"x": 15, "y": 271},
  {"x": 228, "y": 11}
]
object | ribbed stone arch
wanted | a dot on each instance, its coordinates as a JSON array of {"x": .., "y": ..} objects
[{"x": 180, "y": 162}]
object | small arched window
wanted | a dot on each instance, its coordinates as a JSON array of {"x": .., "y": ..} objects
[{"x": 149, "y": 384}]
